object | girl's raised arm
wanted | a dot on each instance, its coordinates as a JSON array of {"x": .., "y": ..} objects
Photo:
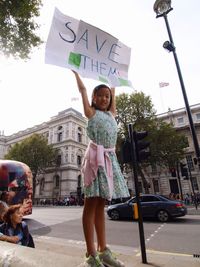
[
  {"x": 113, "y": 104},
  {"x": 88, "y": 110}
]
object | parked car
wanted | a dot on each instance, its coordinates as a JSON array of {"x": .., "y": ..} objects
[{"x": 153, "y": 206}]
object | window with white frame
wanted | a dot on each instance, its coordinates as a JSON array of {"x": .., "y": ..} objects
[
  {"x": 79, "y": 160},
  {"x": 198, "y": 116},
  {"x": 60, "y": 134},
  {"x": 58, "y": 160},
  {"x": 180, "y": 120}
]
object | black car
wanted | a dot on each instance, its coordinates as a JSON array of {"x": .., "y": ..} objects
[{"x": 153, "y": 206}]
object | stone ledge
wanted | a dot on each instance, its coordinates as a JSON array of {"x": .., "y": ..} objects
[{"x": 12, "y": 255}]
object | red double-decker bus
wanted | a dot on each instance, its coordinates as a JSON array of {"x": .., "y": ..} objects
[{"x": 16, "y": 184}]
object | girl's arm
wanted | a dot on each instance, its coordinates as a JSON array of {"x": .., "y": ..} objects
[
  {"x": 11, "y": 239},
  {"x": 88, "y": 110},
  {"x": 113, "y": 104}
]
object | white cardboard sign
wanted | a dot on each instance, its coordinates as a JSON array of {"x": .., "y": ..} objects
[{"x": 88, "y": 50}]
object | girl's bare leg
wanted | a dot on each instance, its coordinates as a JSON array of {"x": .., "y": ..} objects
[
  {"x": 88, "y": 220},
  {"x": 100, "y": 224}
]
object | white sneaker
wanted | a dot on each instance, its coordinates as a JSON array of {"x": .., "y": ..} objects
[
  {"x": 92, "y": 261},
  {"x": 109, "y": 260}
]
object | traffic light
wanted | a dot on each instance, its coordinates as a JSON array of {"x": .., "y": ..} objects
[
  {"x": 141, "y": 146},
  {"x": 126, "y": 151},
  {"x": 184, "y": 170}
]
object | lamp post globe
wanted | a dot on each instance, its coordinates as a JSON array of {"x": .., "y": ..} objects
[{"x": 162, "y": 6}]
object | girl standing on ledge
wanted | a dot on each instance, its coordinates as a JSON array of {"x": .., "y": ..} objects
[{"x": 101, "y": 172}]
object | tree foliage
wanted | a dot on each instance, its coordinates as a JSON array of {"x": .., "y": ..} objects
[
  {"x": 135, "y": 108},
  {"x": 35, "y": 152},
  {"x": 166, "y": 145},
  {"x": 18, "y": 28}
]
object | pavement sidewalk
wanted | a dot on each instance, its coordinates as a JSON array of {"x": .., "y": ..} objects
[
  {"x": 192, "y": 210},
  {"x": 131, "y": 257},
  {"x": 61, "y": 253}
]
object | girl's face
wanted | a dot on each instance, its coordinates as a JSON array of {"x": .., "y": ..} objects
[
  {"x": 102, "y": 98},
  {"x": 16, "y": 217}
]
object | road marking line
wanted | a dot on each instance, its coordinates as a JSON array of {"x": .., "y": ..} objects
[
  {"x": 165, "y": 253},
  {"x": 154, "y": 233},
  {"x": 169, "y": 253}
]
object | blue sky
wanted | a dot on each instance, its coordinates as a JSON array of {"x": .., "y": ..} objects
[{"x": 32, "y": 92}]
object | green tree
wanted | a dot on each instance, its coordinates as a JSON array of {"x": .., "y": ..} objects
[
  {"x": 36, "y": 153},
  {"x": 135, "y": 108},
  {"x": 166, "y": 145},
  {"x": 18, "y": 28}
]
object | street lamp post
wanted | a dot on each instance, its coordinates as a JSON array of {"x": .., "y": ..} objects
[{"x": 162, "y": 8}]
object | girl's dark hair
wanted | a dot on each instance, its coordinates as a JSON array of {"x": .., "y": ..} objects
[
  {"x": 10, "y": 211},
  {"x": 96, "y": 89}
]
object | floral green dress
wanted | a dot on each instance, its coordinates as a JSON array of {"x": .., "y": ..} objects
[{"x": 102, "y": 130}]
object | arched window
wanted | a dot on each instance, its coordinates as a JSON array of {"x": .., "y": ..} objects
[
  {"x": 79, "y": 134},
  {"x": 60, "y": 134},
  {"x": 58, "y": 160},
  {"x": 79, "y": 160}
]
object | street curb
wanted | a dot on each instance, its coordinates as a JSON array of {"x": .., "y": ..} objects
[{"x": 12, "y": 255}]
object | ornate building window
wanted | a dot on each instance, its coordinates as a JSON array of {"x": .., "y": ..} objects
[
  {"x": 198, "y": 116},
  {"x": 58, "y": 160},
  {"x": 79, "y": 135},
  {"x": 60, "y": 134},
  {"x": 56, "y": 181},
  {"x": 180, "y": 121},
  {"x": 79, "y": 160},
  {"x": 79, "y": 156}
]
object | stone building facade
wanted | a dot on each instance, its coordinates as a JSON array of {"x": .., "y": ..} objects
[
  {"x": 161, "y": 180},
  {"x": 67, "y": 132}
]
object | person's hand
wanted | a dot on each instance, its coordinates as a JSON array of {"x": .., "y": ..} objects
[
  {"x": 74, "y": 71},
  {"x": 12, "y": 239},
  {"x": 26, "y": 206}
]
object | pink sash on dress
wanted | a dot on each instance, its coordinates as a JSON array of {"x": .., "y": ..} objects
[{"x": 95, "y": 156}]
